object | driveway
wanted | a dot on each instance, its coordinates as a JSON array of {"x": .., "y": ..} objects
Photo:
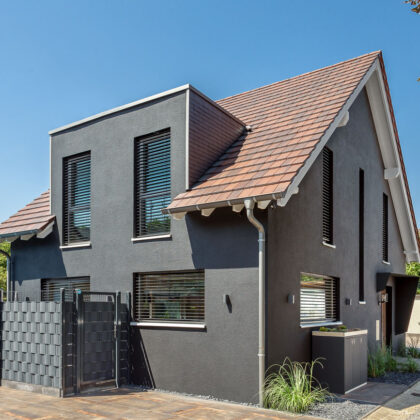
[{"x": 126, "y": 403}]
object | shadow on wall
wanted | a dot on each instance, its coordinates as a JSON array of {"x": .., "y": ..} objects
[
  {"x": 36, "y": 259},
  {"x": 223, "y": 240},
  {"x": 141, "y": 373}
]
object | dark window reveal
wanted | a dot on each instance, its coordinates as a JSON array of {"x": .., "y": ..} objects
[
  {"x": 318, "y": 299},
  {"x": 385, "y": 255},
  {"x": 327, "y": 196},
  {"x": 174, "y": 296},
  {"x": 361, "y": 235},
  {"x": 152, "y": 183},
  {"x": 76, "y": 199}
]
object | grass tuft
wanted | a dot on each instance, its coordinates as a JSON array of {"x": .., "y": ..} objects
[{"x": 293, "y": 387}]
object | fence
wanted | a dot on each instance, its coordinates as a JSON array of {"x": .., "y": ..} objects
[{"x": 62, "y": 348}]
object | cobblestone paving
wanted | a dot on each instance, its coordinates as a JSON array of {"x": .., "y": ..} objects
[{"x": 126, "y": 403}]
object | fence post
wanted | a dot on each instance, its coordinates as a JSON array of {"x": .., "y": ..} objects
[
  {"x": 117, "y": 337},
  {"x": 63, "y": 339},
  {"x": 2, "y": 295},
  {"x": 79, "y": 339},
  {"x": 128, "y": 301}
]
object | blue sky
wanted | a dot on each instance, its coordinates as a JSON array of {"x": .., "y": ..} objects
[{"x": 63, "y": 61}]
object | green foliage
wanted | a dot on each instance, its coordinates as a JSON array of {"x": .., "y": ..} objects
[
  {"x": 402, "y": 350},
  {"x": 293, "y": 387},
  {"x": 409, "y": 366},
  {"x": 381, "y": 361},
  {"x": 4, "y": 246},
  {"x": 340, "y": 328},
  {"x": 413, "y": 269}
]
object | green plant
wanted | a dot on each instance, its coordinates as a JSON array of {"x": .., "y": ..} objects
[
  {"x": 412, "y": 349},
  {"x": 390, "y": 362},
  {"x": 324, "y": 329},
  {"x": 409, "y": 366},
  {"x": 402, "y": 350},
  {"x": 293, "y": 387},
  {"x": 342, "y": 327},
  {"x": 376, "y": 363}
]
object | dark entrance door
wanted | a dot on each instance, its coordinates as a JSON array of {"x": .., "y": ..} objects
[{"x": 386, "y": 316}]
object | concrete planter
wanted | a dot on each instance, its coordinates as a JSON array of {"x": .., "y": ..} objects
[{"x": 344, "y": 357}]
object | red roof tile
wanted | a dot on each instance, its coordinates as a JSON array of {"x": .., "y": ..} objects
[
  {"x": 288, "y": 119},
  {"x": 31, "y": 219}
]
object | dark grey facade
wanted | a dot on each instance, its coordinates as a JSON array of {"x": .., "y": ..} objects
[{"x": 221, "y": 359}]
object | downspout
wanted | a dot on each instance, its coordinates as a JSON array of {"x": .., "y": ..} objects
[
  {"x": 249, "y": 205},
  {"x": 9, "y": 272}
]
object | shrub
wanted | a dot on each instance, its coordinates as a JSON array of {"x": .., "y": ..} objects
[
  {"x": 409, "y": 366},
  {"x": 381, "y": 361},
  {"x": 293, "y": 387},
  {"x": 412, "y": 349},
  {"x": 390, "y": 362},
  {"x": 402, "y": 350}
]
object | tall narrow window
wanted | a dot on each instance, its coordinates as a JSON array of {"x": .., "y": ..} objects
[
  {"x": 152, "y": 183},
  {"x": 173, "y": 296},
  {"x": 385, "y": 255},
  {"x": 361, "y": 235},
  {"x": 327, "y": 196},
  {"x": 76, "y": 199},
  {"x": 318, "y": 299}
]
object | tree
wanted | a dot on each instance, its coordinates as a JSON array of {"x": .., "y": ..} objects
[
  {"x": 4, "y": 246},
  {"x": 415, "y": 4},
  {"x": 413, "y": 269}
]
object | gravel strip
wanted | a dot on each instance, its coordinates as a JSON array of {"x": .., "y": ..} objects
[
  {"x": 399, "y": 378},
  {"x": 340, "y": 409}
]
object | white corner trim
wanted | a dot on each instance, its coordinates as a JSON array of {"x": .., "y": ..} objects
[
  {"x": 169, "y": 325},
  {"x": 187, "y": 139},
  {"x": 75, "y": 246},
  {"x": 207, "y": 212},
  {"x": 45, "y": 232},
  {"x": 386, "y": 262},
  {"x": 151, "y": 238},
  {"x": 392, "y": 173},
  {"x": 345, "y": 119},
  {"x": 328, "y": 245},
  {"x": 120, "y": 108}
]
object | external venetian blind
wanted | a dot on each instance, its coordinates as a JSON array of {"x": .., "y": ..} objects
[
  {"x": 385, "y": 228},
  {"x": 327, "y": 196},
  {"x": 318, "y": 299},
  {"x": 76, "y": 199},
  {"x": 175, "y": 296},
  {"x": 152, "y": 183},
  {"x": 50, "y": 288}
]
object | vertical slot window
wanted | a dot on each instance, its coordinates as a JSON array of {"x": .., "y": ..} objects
[
  {"x": 327, "y": 196},
  {"x": 361, "y": 235},
  {"x": 385, "y": 236}
]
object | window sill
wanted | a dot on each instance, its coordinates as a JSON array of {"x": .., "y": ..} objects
[
  {"x": 169, "y": 325},
  {"x": 362, "y": 302},
  {"x": 321, "y": 324},
  {"x": 79, "y": 245},
  {"x": 151, "y": 238},
  {"x": 328, "y": 245},
  {"x": 386, "y": 262}
]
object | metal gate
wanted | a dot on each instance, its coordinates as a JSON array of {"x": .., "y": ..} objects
[{"x": 98, "y": 339}]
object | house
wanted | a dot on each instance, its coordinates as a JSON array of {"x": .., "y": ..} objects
[{"x": 238, "y": 225}]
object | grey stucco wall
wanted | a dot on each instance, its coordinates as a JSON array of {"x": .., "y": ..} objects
[
  {"x": 219, "y": 361},
  {"x": 295, "y": 239}
]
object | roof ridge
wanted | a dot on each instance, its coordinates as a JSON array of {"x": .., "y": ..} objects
[{"x": 378, "y": 52}]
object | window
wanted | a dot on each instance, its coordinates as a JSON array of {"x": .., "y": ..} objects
[
  {"x": 50, "y": 288},
  {"x": 76, "y": 199},
  {"x": 175, "y": 296},
  {"x": 385, "y": 228},
  {"x": 327, "y": 196},
  {"x": 361, "y": 235},
  {"x": 152, "y": 183},
  {"x": 318, "y": 299}
]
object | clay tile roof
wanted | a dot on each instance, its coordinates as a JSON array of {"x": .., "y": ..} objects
[
  {"x": 33, "y": 218},
  {"x": 288, "y": 119}
]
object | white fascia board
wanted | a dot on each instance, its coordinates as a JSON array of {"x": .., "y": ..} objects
[
  {"x": 46, "y": 231},
  {"x": 120, "y": 108},
  {"x": 381, "y": 114},
  {"x": 336, "y": 123},
  {"x": 392, "y": 173},
  {"x": 187, "y": 140}
]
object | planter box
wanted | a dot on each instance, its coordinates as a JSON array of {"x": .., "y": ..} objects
[{"x": 344, "y": 357}]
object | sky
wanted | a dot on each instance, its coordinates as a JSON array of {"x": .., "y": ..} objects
[{"x": 61, "y": 61}]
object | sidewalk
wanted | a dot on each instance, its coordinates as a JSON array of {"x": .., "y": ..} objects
[{"x": 403, "y": 407}]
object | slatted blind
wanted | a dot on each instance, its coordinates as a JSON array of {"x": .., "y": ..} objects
[
  {"x": 327, "y": 196},
  {"x": 76, "y": 199},
  {"x": 175, "y": 296},
  {"x": 318, "y": 299},
  {"x": 152, "y": 183},
  {"x": 385, "y": 228},
  {"x": 50, "y": 288}
]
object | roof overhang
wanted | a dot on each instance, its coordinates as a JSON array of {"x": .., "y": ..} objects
[
  {"x": 378, "y": 96},
  {"x": 25, "y": 235}
]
